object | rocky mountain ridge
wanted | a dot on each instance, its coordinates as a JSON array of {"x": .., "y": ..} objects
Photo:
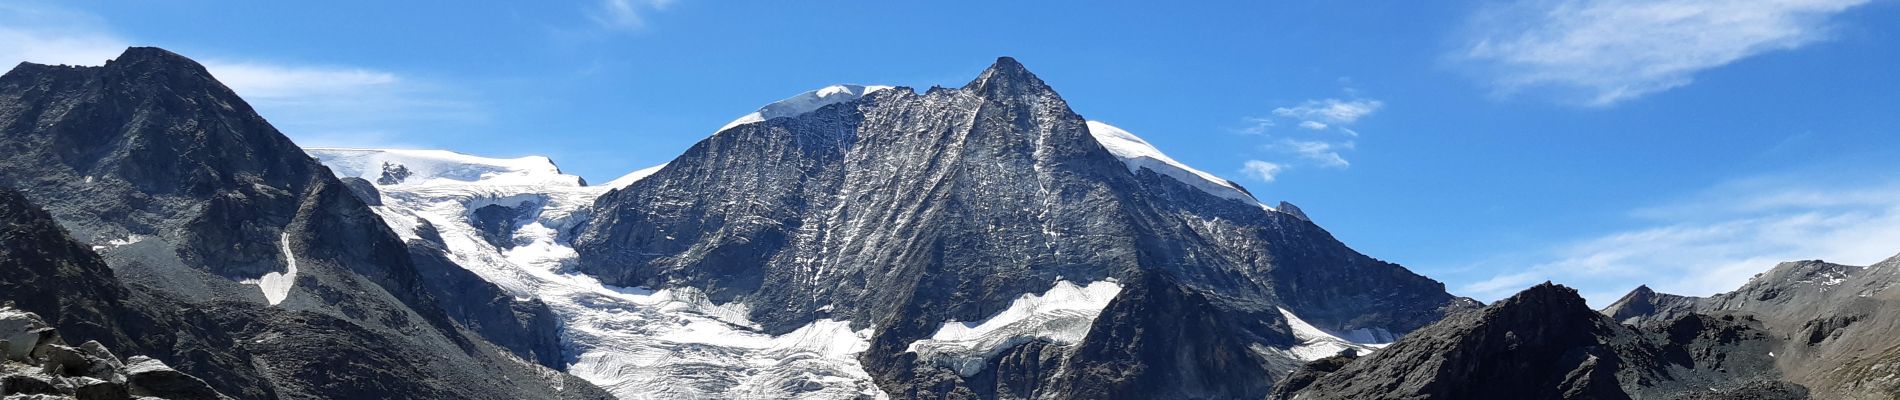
[
  {"x": 245, "y": 247},
  {"x": 1835, "y": 322},
  {"x": 855, "y": 241}
]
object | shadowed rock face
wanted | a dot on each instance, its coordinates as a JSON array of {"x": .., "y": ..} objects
[
  {"x": 189, "y": 195},
  {"x": 1544, "y": 343},
  {"x": 905, "y": 210},
  {"x": 1836, "y": 322}
]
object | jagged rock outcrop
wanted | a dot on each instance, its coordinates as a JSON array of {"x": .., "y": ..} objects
[
  {"x": 1544, "y": 343},
  {"x": 1836, "y": 323},
  {"x": 51, "y": 369},
  {"x": 905, "y": 210},
  {"x": 243, "y": 252}
]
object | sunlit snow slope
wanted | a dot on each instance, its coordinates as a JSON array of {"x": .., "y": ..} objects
[
  {"x": 636, "y": 343},
  {"x": 1137, "y": 154}
]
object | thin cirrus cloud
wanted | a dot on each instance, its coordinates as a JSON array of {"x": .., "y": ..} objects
[
  {"x": 1334, "y": 111},
  {"x": 1600, "y": 52},
  {"x": 319, "y": 105},
  {"x": 1715, "y": 241},
  {"x": 1324, "y": 134},
  {"x": 626, "y": 14}
]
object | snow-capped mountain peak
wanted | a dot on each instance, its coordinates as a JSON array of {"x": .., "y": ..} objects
[{"x": 806, "y": 102}]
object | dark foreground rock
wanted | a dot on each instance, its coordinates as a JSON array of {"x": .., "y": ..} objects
[
  {"x": 1545, "y": 343},
  {"x": 53, "y": 369}
]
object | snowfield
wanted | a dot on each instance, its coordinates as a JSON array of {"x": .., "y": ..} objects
[{"x": 636, "y": 343}]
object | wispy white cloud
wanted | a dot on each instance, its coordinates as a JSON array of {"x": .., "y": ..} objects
[
  {"x": 320, "y": 105},
  {"x": 1323, "y": 152},
  {"x": 1599, "y": 52},
  {"x": 1331, "y": 110},
  {"x": 1324, "y": 131},
  {"x": 1262, "y": 170},
  {"x": 1256, "y": 125},
  {"x": 54, "y": 36},
  {"x": 626, "y": 14},
  {"x": 315, "y": 104},
  {"x": 1716, "y": 241}
]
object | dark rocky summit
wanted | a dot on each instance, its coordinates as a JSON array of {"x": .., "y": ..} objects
[
  {"x": 1644, "y": 302},
  {"x": 905, "y": 210},
  {"x": 1544, "y": 343},
  {"x": 233, "y": 255}
]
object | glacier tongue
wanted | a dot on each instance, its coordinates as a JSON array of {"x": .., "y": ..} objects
[
  {"x": 1316, "y": 343},
  {"x": 1062, "y": 315},
  {"x": 636, "y": 343}
]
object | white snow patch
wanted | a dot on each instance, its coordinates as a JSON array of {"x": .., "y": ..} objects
[
  {"x": 1062, "y": 315},
  {"x": 806, "y": 102},
  {"x": 1316, "y": 343},
  {"x": 129, "y": 239},
  {"x": 276, "y": 285},
  {"x": 1138, "y": 154},
  {"x": 624, "y": 180}
]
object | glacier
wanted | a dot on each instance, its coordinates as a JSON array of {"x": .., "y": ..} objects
[{"x": 637, "y": 343}]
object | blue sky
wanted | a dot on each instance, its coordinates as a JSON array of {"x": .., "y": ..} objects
[{"x": 1686, "y": 144}]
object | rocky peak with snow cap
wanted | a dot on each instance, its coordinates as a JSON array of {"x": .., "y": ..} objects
[{"x": 911, "y": 213}]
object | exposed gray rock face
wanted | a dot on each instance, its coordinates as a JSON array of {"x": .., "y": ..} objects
[
  {"x": 905, "y": 210},
  {"x": 206, "y": 208},
  {"x": 1836, "y": 323},
  {"x": 527, "y": 328},
  {"x": 1293, "y": 210},
  {"x": 1544, "y": 343},
  {"x": 364, "y": 191}
]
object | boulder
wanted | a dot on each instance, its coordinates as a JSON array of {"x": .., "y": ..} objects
[
  {"x": 23, "y": 332},
  {"x": 20, "y": 384},
  {"x": 95, "y": 389},
  {"x": 150, "y": 377},
  {"x": 62, "y": 360},
  {"x": 96, "y": 350}
]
